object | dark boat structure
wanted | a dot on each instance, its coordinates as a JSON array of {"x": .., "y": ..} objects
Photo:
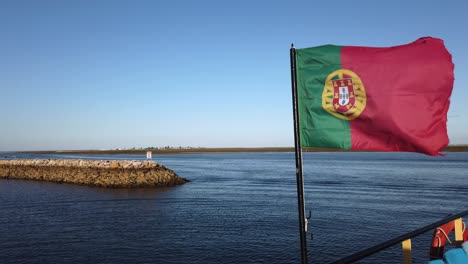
[{"x": 438, "y": 253}]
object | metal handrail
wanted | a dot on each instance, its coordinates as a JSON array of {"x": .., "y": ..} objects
[{"x": 377, "y": 248}]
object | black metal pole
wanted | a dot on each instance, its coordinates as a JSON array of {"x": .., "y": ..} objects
[{"x": 297, "y": 146}]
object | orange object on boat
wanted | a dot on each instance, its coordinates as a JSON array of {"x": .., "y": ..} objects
[{"x": 440, "y": 237}]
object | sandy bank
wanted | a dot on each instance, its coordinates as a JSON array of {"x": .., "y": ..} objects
[{"x": 102, "y": 173}]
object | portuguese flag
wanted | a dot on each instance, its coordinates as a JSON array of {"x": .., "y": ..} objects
[{"x": 366, "y": 98}]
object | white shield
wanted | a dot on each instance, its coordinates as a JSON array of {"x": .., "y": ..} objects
[{"x": 344, "y": 95}]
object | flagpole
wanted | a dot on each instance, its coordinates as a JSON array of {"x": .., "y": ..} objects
[{"x": 298, "y": 150}]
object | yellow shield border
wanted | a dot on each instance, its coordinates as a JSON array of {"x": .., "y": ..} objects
[{"x": 359, "y": 92}]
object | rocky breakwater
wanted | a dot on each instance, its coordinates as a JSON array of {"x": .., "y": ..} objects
[{"x": 102, "y": 173}]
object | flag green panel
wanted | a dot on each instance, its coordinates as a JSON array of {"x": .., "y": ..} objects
[{"x": 317, "y": 127}]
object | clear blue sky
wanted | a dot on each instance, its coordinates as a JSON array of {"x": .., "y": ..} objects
[{"x": 117, "y": 74}]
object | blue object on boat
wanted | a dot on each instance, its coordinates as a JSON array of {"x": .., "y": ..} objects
[
  {"x": 456, "y": 256},
  {"x": 465, "y": 247}
]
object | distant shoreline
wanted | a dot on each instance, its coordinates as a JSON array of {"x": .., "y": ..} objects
[{"x": 461, "y": 148}]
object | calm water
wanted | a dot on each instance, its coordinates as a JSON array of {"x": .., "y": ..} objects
[{"x": 238, "y": 208}]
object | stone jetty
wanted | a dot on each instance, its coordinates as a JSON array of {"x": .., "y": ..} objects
[{"x": 102, "y": 173}]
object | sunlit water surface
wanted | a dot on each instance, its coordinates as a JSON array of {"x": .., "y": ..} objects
[{"x": 238, "y": 208}]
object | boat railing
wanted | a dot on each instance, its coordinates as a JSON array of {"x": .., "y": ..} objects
[{"x": 405, "y": 240}]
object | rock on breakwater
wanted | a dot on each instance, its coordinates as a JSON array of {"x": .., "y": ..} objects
[{"x": 103, "y": 173}]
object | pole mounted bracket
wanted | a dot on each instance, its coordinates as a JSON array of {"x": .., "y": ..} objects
[{"x": 306, "y": 225}]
